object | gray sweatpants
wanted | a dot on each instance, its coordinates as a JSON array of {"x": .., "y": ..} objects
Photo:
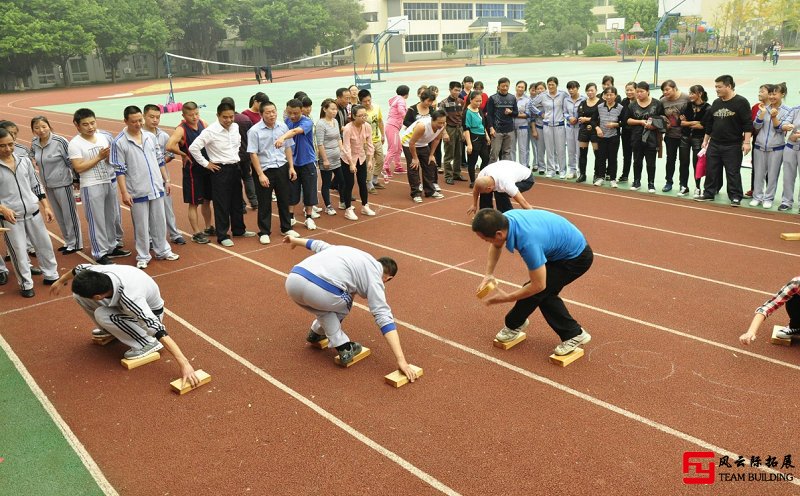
[
  {"x": 523, "y": 141},
  {"x": 502, "y": 144},
  {"x": 17, "y": 237},
  {"x": 330, "y": 309},
  {"x": 149, "y": 223},
  {"x": 62, "y": 201},
  {"x": 125, "y": 327},
  {"x": 766, "y": 167},
  {"x": 572, "y": 149},
  {"x": 555, "y": 139},
  {"x": 169, "y": 213},
  {"x": 540, "y": 148},
  {"x": 791, "y": 163},
  {"x": 101, "y": 207}
]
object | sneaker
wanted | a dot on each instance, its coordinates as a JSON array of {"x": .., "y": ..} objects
[
  {"x": 143, "y": 351},
  {"x": 437, "y": 195},
  {"x": 622, "y": 179},
  {"x": 599, "y": 182},
  {"x": 541, "y": 172},
  {"x": 27, "y": 293},
  {"x": 749, "y": 194},
  {"x": 314, "y": 214},
  {"x": 330, "y": 211},
  {"x": 667, "y": 188},
  {"x": 635, "y": 186},
  {"x": 100, "y": 333},
  {"x": 118, "y": 252},
  {"x": 210, "y": 231},
  {"x": 767, "y": 204},
  {"x": 227, "y": 242},
  {"x": 471, "y": 185},
  {"x": 783, "y": 207},
  {"x": 568, "y": 346},
  {"x": 346, "y": 356},
  {"x": 310, "y": 224},
  {"x": 264, "y": 239},
  {"x": 417, "y": 199},
  {"x": 571, "y": 175},
  {"x": 350, "y": 214},
  {"x": 436, "y": 187},
  {"x": 367, "y": 211},
  {"x": 787, "y": 333},
  {"x": 246, "y": 234},
  {"x": 105, "y": 260},
  {"x": 342, "y": 206},
  {"x": 171, "y": 257},
  {"x": 3, "y": 278},
  {"x": 371, "y": 190},
  {"x": 141, "y": 264},
  {"x": 613, "y": 184},
  {"x": 316, "y": 209},
  {"x": 581, "y": 179},
  {"x": 704, "y": 198},
  {"x": 698, "y": 193},
  {"x": 754, "y": 203},
  {"x": 399, "y": 170},
  {"x": 292, "y": 222},
  {"x": 651, "y": 188},
  {"x": 379, "y": 186},
  {"x": 200, "y": 238},
  {"x": 736, "y": 202},
  {"x": 274, "y": 197},
  {"x": 683, "y": 191},
  {"x": 313, "y": 337},
  {"x": 505, "y": 335},
  {"x": 547, "y": 174},
  {"x": 179, "y": 240},
  {"x": 291, "y": 233}
]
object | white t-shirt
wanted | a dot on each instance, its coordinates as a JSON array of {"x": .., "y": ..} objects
[
  {"x": 506, "y": 175},
  {"x": 428, "y": 136},
  {"x": 81, "y": 149}
]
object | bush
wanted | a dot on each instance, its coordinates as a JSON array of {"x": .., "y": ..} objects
[
  {"x": 598, "y": 50},
  {"x": 449, "y": 49},
  {"x": 523, "y": 44}
]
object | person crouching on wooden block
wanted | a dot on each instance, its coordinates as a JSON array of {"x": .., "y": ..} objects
[{"x": 788, "y": 295}]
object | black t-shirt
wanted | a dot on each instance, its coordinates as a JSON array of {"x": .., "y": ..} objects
[
  {"x": 413, "y": 115},
  {"x": 590, "y": 111},
  {"x": 637, "y": 112},
  {"x": 625, "y": 128},
  {"x": 695, "y": 113},
  {"x": 726, "y": 121}
]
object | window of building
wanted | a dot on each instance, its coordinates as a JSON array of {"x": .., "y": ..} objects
[
  {"x": 370, "y": 16},
  {"x": 462, "y": 41},
  {"x": 247, "y": 56},
  {"x": 516, "y": 11},
  {"x": 489, "y": 10},
  {"x": 78, "y": 70},
  {"x": 417, "y": 11},
  {"x": 46, "y": 73},
  {"x": 456, "y": 11},
  {"x": 422, "y": 43}
]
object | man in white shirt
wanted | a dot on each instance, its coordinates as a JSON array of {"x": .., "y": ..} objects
[
  {"x": 221, "y": 141},
  {"x": 505, "y": 179}
]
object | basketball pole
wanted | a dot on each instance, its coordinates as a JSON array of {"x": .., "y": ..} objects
[{"x": 171, "y": 98}]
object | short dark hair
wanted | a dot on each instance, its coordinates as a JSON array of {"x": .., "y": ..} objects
[
  {"x": 81, "y": 114},
  {"x": 228, "y": 99},
  {"x": 5, "y": 124},
  {"x": 610, "y": 89},
  {"x": 341, "y": 91},
  {"x": 259, "y": 97},
  {"x": 454, "y": 85},
  {"x": 437, "y": 114},
  {"x": 468, "y": 79},
  {"x": 88, "y": 283},
  {"x": 668, "y": 82},
  {"x": 552, "y": 79},
  {"x": 473, "y": 94},
  {"x": 503, "y": 80},
  {"x": 389, "y": 266},
  {"x": 478, "y": 84},
  {"x": 607, "y": 79},
  {"x": 306, "y": 101},
  {"x": 4, "y": 132},
  {"x": 299, "y": 94},
  {"x": 488, "y": 221},
  {"x": 426, "y": 95},
  {"x": 643, "y": 85},
  {"x": 590, "y": 85},
  {"x": 222, "y": 107},
  {"x": 573, "y": 84},
  {"x": 147, "y": 108},
  {"x": 402, "y": 90},
  {"x": 362, "y": 94},
  {"x": 355, "y": 108},
  {"x": 294, "y": 103},
  {"x": 265, "y": 105},
  {"x": 189, "y": 106},
  {"x": 523, "y": 82},
  {"x": 727, "y": 80},
  {"x": 130, "y": 110}
]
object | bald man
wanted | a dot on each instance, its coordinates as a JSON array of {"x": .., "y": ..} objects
[{"x": 505, "y": 179}]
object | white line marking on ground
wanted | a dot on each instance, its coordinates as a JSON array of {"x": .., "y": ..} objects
[
  {"x": 450, "y": 268},
  {"x": 72, "y": 439}
]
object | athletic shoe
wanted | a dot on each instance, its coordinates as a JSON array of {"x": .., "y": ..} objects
[
  {"x": 571, "y": 175},
  {"x": 435, "y": 187},
  {"x": 49, "y": 282},
  {"x": 141, "y": 264},
  {"x": 171, "y": 257},
  {"x": 330, "y": 211},
  {"x": 379, "y": 186},
  {"x": 541, "y": 172},
  {"x": 179, "y": 240},
  {"x": 227, "y": 242},
  {"x": 787, "y": 333},
  {"x": 458, "y": 178},
  {"x": 622, "y": 179},
  {"x": 210, "y": 231},
  {"x": 3, "y": 278},
  {"x": 754, "y": 203},
  {"x": 471, "y": 185},
  {"x": 635, "y": 186},
  {"x": 749, "y": 194},
  {"x": 342, "y": 206},
  {"x": 698, "y": 193},
  {"x": 313, "y": 337},
  {"x": 36, "y": 271},
  {"x": 562, "y": 176},
  {"x": 783, "y": 207},
  {"x": 264, "y": 239},
  {"x": 581, "y": 178},
  {"x": 371, "y": 190},
  {"x": 599, "y": 182},
  {"x": 105, "y": 260},
  {"x": 100, "y": 333},
  {"x": 316, "y": 209},
  {"x": 200, "y": 238},
  {"x": 350, "y": 214},
  {"x": 27, "y": 293},
  {"x": 436, "y": 194},
  {"x": 70, "y": 251},
  {"x": 314, "y": 214},
  {"x": 399, "y": 170},
  {"x": 505, "y": 335},
  {"x": 568, "y": 346},
  {"x": 310, "y": 224},
  {"x": 704, "y": 198},
  {"x": 667, "y": 188},
  {"x": 118, "y": 253},
  {"x": 246, "y": 234},
  {"x": 651, "y": 188},
  {"x": 417, "y": 199},
  {"x": 548, "y": 174},
  {"x": 613, "y": 183},
  {"x": 274, "y": 197},
  {"x": 291, "y": 233},
  {"x": 736, "y": 202},
  {"x": 346, "y": 355},
  {"x": 367, "y": 211},
  {"x": 292, "y": 222},
  {"x": 683, "y": 191},
  {"x": 143, "y": 351},
  {"x": 62, "y": 248},
  {"x": 767, "y": 204},
  {"x": 449, "y": 181}
]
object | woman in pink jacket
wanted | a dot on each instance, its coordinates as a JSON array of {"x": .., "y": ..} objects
[
  {"x": 397, "y": 111},
  {"x": 357, "y": 152}
]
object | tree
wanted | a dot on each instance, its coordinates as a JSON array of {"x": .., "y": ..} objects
[
  {"x": 558, "y": 14},
  {"x": 344, "y": 23},
  {"x": 18, "y": 48},
  {"x": 158, "y": 27},
  {"x": 523, "y": 45},
  {"x": 572, "y": 37},
  {"x": 116, "y": 34},
  {"x": 645, "y": 12},
  {"x": 449, "y": 49},
  {"x": 205, "y": 25}
]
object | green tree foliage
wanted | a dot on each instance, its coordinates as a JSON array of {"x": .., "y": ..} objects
[
  {"x": 449, "y": 49},
  {"x": 116, "y": 35},
  {"x": 645, "y": 12},
  {"x": 158, "y": 27},
  {"x": 558, "y": 14},
  {"x": 205, "y": 25},
  {"x": 598, "y": 50},
  {"x": 524, "y": 45}
]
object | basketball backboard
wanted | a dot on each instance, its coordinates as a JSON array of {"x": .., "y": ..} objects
[
  {"x": 683, "y": 7},
  {"x": 494, "y": 27},
  {"x": 615, "y": 24},
  {"x": 398, "y": 23}
]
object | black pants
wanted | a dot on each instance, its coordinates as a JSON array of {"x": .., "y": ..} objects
[
  {"x": 694, "y": 145},
  {"x": 793, "y": 309},
  {"x": 502, "y": 200},
  {"x": 641, "y": 154},
  {"x": 280, "y": 183},
  {"x": 627, "y": 152},
  {"x": 328, "y": 178},
  {"x": 729, "y": 157},
  {"x": 559, "y": 274},
  {"x": 226, "y": 193},
  {"x": 607, "y": 150},
  {"x": 480, "y": 149},
  {"x": 426, "y": 174},
  {"x": 349, "y": 181},
  {"x": 672, "y": 145}
]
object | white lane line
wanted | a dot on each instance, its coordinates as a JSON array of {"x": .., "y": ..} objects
[
  {"x": 456, "y": 265},
  {"x": 585, "y": 305},
  {"x": 72, "y": 439},
  {"x": 391, "y": 455}
]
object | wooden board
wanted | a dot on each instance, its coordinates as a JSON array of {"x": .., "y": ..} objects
[
  {"x": 138, "y": 362},
  {"x": 565, "y": 360},
  {"x": 510, "y": 344},
  {"x": 320, "y": 344},
  {"x": 102, "y": 341},
  {"x": 200, "y": 373},
  {"x": 398, "y": 378},
  {"x": 364, "y": 354},
  {"x": 485, "y": 290},
  {"x": 790, "y": 236},
  {"x": 779, "y": 341}
]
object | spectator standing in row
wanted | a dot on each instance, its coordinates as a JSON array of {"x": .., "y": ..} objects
[
  {"x": 674, "y": 102},
  {"x": 453, "y": 147},
  {"x": 501, "y": 109}
]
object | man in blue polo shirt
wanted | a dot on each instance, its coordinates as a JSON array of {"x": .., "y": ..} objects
[
  {"x": 301, "y": 130},
  {"x": 555, "y": 252}
]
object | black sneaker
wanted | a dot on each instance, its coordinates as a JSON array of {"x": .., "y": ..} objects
[
  {"x": 118, "y": 252},
  {"x": 346, "y": 355},
  {"x": 179, "y": 240},
  {"x": 581, "y": 179},
  {"x": 210, "y": 231},
  {"x": 622, "y": 179},
  {"x": 30, "y": 293},
  {"x": 105, "y": 260},
  {"x": 3, "y": 278},
  {"x": 200, "y": 238},
  {"x": 63, "y": 248},
  {"x": 787, "y": 333},
  {"x": 70, "y": 251},
  {"x": 704, "y": 198},
  {"x": 49, "y": 282},
  {"x": 736, "y": 202},
  {"x": 783, "y": 207},
  {"x": 313, "y": 337},
  {"x": 36, "y": 271},
  {"x": 541, "y": 172},
  {"x": 667, "y": 188}
]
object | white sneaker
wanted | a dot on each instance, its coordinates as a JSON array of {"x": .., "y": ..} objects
[
  {"x": 248, "y": 234},
  {"x": 316, "y": 209},
  {"x": 264, "y": 239},
  {"x": 437, "y": 195},
  {"x": 767, "y": 204},
  {"x": 754, "y": 202},
  {"x": 350, "y": 214},
  {"x": 568, "y": 346},
  {"x": 571, "y": 175},
  {"x": 342, "y": 206},
  {"x": 436, "y": 187},
  {"x": 292, "y": 222},
  {"x": 274, "y": 197},
  {"x": 314, "y": 214},
  {"x": 330, "y": 211},
  {"x": 613, "y": 184},
  {"x": 549, "y": 175},
  {"x": 227, "y": 242},
  {"x": 599, "y": 182},
  {"x": 310, "y": 224},
  {"x": 562, "y": 176},
  {"x": 171, "y": 257},
  {"x": 367, "y": 211},
  {"x": 417, "y": 199},
  {"x": 291, "y": 233},
  {"x": 419, "y": 187},
  {"x": 141, "y": 264},
  {"x": 698, "y": 193}
]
